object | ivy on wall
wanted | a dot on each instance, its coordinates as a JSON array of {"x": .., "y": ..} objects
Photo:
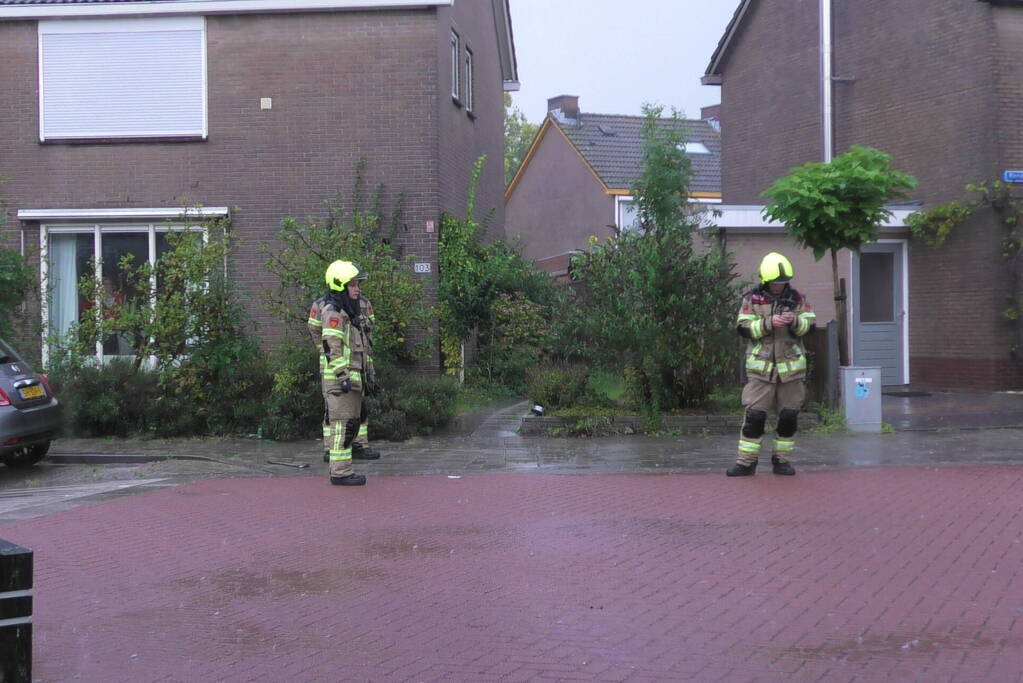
[
  {"x": 932, "y": 227},
  {"x": 15, "y": 280}
]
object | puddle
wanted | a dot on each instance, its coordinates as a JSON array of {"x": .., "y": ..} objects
[
  {"x": 276, "y": 582},
  {"x": 900, "y": 645}
]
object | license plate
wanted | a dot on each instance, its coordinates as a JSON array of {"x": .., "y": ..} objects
[{"x": 32, "y": 392}]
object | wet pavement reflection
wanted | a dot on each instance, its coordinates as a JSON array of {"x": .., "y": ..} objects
[{"x": 938, "y": 428}]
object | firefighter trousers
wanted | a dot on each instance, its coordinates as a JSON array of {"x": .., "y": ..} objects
[
  {"x": 761, "y": 398},
  {"x": 343, "y": 411}
]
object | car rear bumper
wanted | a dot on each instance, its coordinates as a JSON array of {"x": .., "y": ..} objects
[{"x": 29, "y": 426}]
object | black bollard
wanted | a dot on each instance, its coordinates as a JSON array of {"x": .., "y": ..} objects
[{"x": 15, "y": 613}]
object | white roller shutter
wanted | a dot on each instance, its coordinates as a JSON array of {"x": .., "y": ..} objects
[{"x": 122, "y": 78}]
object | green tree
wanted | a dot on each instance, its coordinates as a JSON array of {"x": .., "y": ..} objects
[
  {"x": 491, "y": 291},
  {"x": 356, "y": 228},
  {"x": 15, "y": 279},
  {"x": 650, "y": 301},
  {"x": 837, "y": 205},
  {"x": 518, "y": 136}
]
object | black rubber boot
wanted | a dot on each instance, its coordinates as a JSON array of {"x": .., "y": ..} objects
[
  {"x": 350, "y": 480},
  {"x": 740, "y": 470},
  {"x": 360, "y": 452},
  {"x": 783, "y": 468}
]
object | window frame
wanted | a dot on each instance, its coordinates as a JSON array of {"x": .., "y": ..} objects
[
  {"x": 97, "y": 229},
  {"x": 110, "y": 26},
  {"x": 470, "y": 96},
  {"x": 456, "y": 62}
]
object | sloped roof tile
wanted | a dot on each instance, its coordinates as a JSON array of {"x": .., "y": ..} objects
[{"x": 613, "y": 146}]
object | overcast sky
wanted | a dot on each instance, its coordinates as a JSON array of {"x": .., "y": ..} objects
[{"x": 617, "y": 55}]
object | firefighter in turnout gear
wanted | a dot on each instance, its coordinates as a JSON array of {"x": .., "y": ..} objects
[
  {"x": 344, "y": 348},
  {"x": 360, "y": 449},
  {"x": 315, "y": 326},
  {"x": 773, "y": 318}
]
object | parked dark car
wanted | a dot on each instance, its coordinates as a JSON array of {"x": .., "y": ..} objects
[{"x": 29, "y": 412}]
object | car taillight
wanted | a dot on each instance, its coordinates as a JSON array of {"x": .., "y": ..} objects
[
  {"x": 49, "y": 389},
  {"x": 4, "y": 401}
]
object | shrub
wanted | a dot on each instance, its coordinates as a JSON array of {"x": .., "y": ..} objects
[
  {"x": 15, "y": 283},
  {"x": 556, "y": 386},
  {"x": 102, "y": 400},
  {"x": 428, "y": 403},
  {"x": 517, "y": 336},
  {"x": 294, "y": 407},
  {"x": 494, "y": 292},
  {"x": 219, "y": 389},
  {"x": 355, "y": 228},
  {"x": 410, "y": 406}
]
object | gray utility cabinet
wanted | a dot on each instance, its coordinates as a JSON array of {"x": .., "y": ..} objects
[{"x": 861, "y": 398}]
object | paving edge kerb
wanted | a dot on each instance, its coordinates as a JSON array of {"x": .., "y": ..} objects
[
  {"x": 119, "y": 458},
  {"x": 695, "y": 425}
]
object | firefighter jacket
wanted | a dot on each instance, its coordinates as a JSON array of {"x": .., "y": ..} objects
[
  {"x": 315, "y": 327},
  {"x": 775, "y": 354},
  {"x": 315, "y": 323},
  {"x": 344, "y": 349}
]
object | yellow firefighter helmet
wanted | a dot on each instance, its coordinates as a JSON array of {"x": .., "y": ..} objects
[
  {"x": 340, "y": 273},
  {"x": 775, "y": 268}
]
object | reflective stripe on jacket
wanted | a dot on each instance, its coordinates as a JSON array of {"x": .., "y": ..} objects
[{"x": 774, "y": 354}]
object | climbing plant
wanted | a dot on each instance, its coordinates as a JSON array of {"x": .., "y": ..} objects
[
  {"x": 355, "y": 227},
  {"x": 15, "y": 280},
  {"x": 932, "y": 227}
]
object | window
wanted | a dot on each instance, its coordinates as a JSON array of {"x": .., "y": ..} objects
[
  {"x": 122, "y": 78},
  {"x": 691, "y": 147},
  {"x": 628, "y": 214},
  {"x": 71, "y": 251},
  {"x": 468, "y": 81},
  {"x": 877, "y": 277},
  {"x": 455, "y": 60}
]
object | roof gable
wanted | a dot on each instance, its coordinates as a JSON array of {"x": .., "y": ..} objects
[{"x": 713, "y": 74}]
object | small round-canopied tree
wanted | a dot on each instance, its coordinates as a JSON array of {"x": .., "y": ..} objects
[{"x": 837, "y": 205}]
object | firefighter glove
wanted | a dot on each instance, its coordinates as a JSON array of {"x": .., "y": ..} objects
[{"x": 346, "y": 386}]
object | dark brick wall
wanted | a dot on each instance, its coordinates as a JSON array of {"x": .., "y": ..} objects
[
  {"x": 941, "y": 98},
  {"x": 557, "y": 202},
  {"x": 770, "y": 98},
  {"x": 464, "y": 137},
  {"x": 344, "y": 85}
]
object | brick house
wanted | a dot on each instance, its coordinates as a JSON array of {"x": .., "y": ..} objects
[
  {"x": 116, "y": 110},
  {"x": 575, "y": 181},
  {"x": 935, "y": 83}
]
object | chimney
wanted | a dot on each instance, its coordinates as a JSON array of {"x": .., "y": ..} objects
[
  {"x": 564, "y": 107},
  {"x": 712, "y": 115}
]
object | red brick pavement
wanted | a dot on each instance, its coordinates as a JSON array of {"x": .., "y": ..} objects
[{"x": 863, "y": 574}]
